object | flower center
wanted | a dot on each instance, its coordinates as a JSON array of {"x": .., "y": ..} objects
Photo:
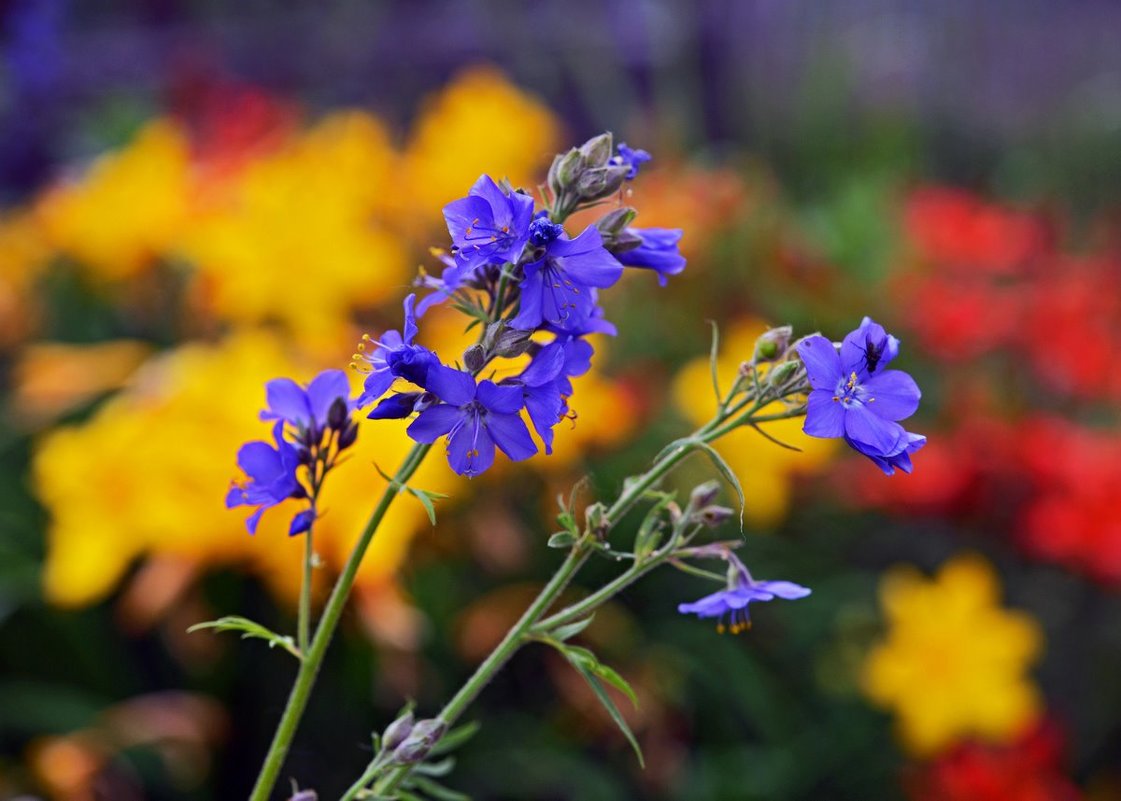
[{"x": 849, "y": 393}]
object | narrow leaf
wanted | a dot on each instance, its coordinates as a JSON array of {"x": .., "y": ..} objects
[
  {"x": 425, "y": 499},
  {"x": 728, "y": 475},
  {"x": 570, "y": 630},
  {"x": 562, "y": 539},
  {"x": 437, "y": 769},
  {"x": 248, "y": 629},
  {"x": 713, "y": 355},
  {"x": 438, "y": 791},
  {"x": 455, "y": 738},
  {"x": 612, "y": 710}
]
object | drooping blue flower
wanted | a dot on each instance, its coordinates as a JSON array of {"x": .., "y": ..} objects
[
  {"x": 306, "y": 408},
  {"x": 731, "y": 603},
  {"x": 629, "y": 157},
  {"x": 271, "y": 480},
  {"x": 475, "y": 418},
  {"x": 396, "y": 356},
  {"x": 855, "y": 398},
  {"x": 558, "y": 290},
  {"x": 658, "y": 251},
  {"x": 489, "y": 226},
  {"x": 546, "y": 386}
]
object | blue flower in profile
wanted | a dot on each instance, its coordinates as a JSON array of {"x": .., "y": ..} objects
[
  {"x": 731, "y": 603},
  {"x": 629, "y": 157},
  {"x": 489, "y": 226},
  {"x": 395, "y": 356},
  {"x": 271, "y": 480},
  {"x": 658, "y": 251},
  {"x": 854, "y": 397},
  {"x": 307, "y": 408},
  {"x": 558, "y": 290},
  {"x": 475, "y": 418}
]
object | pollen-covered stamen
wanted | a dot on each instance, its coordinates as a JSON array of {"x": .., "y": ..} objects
[{"x": 488, "y": 235}]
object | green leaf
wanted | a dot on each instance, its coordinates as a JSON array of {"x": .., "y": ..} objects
[
  {"x": 454, "y": 738},
  {"x": 436, "y": 790},
  {"x": 249, "y": 628},
  {"x": 441, "y": 768},
  {"x": 426, "y": 497},
  {"x": 728, "y": 475},
  {"x": 570, "y": 630},
  {"x": 650, "y": 532},
  {"x": 713, "y": 357},
  {"x": 562, "y": 539},
  {"x": 612, "y": 710},
  {"x": 588, "y": 660}
]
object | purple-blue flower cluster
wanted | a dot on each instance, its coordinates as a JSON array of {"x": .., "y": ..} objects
[
  {"x": 535, "y": 287},
  {"x": 312, "y": 426},
  {"x": 855, "y": 397}
]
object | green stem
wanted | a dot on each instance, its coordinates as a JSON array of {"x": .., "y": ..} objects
[
  {"x": 372, "y": 770},
  {"x": 303, "y": 623},
  {"x": 313, "y": 656}
]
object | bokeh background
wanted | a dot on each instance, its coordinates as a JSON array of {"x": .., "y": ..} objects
[{"x": 200, "y": 196}]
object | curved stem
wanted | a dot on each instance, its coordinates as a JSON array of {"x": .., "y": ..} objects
[{"x": 313, "y": 656}]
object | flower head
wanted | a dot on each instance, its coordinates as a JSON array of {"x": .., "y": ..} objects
[
  {"x": 307, "y": 408},
  {"x": 631, "y": 158},
  {"x": 558, "y": 289},
  {"x": 272, "y": 480},
  {"x": 854, "y": 397},
  {"x": 731, "y": 603},
  {"x": 658, "y": 251},
  {"x": 396, "y": 356},
  {"x": 475, "y": 418},
  {"x": 490, "y": 225}
]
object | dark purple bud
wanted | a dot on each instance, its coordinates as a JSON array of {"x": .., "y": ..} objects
[
  {"x": 713, "y": 516},
  {"x": 338, "y": 414},
  {"x": 424, "y": 735},
  {"x": 397, "y": 731},
  {"x": 474, "y": 358},
  {"x": 348, "y": 436},
  {"x": 298, "y": 492},
  {"x": 704, "y": 494},
  {"x": 303, "y": 456},
  {"x": 542, "y": 231}
]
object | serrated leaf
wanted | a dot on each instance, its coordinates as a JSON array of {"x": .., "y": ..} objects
[
  {"x": 727, "y": 474},
  {"x": 455, "y": 738},
  {"x": 249, "y": 629},
  {"x": 570, "y": 630},
  {"x": 562, "y": 539},
  {"x": 437, "y": 790}
]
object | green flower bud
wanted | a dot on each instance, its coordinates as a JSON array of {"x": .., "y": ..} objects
[
  {"x": 773, "y": 344},
  {"x": 598, "y": 150}
]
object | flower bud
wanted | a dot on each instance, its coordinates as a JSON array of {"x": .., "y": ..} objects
[
  {"x": 424, "y": 735},
  {"x": 565, "y": 170},
  {"x": 773, "y": 344},
  {"x": 474, "y": 358},
  {"x": 305, "y": 795},
  {"x": 614, "y": 222},
  {"x": 512, "y": 342},
  {"x": 598, "y": 150},
  {"x": 601, "y": 182},
  {"x": 715, "y": 516},
  {"x": 303, "y": 456},
  {"x": 348, "y": 436},
  {"x": 397, "y": 731},
  {"x": 338, "y": 414},
  {"x": 704, "y": 494},
  {"x": 780, "y": 374}
]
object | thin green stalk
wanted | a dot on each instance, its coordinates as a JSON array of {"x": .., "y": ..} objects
[
  {"x": 313, "y": 656},
  {"x": 303, "y": 624}
]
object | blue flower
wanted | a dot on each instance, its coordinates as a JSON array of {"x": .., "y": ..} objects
[
  {"x": 396, "y": 356},
  {"x": 489, "y": 226},
  {"x": 657, "y": 252},
  {"x": 272, "y": 480},
  {"x": 558, "y": 289},
  {"x": 732, "y": 603},
  {"x": 306, "y": 409},
  {"x": 854, "y": 397},
  {"x": 475, "y": 418},
  {"x": 629, "y": 157}
]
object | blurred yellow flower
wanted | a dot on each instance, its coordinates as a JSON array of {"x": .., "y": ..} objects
[
  {"x": 297, "y": 236},
  {"x": 478, "y": 123},
  {"x": 953, "y": 664},
  {"x": 148, "y": 472},
  {"x": 766, "y": 470},
  {"x": 128, "y": 208}
]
